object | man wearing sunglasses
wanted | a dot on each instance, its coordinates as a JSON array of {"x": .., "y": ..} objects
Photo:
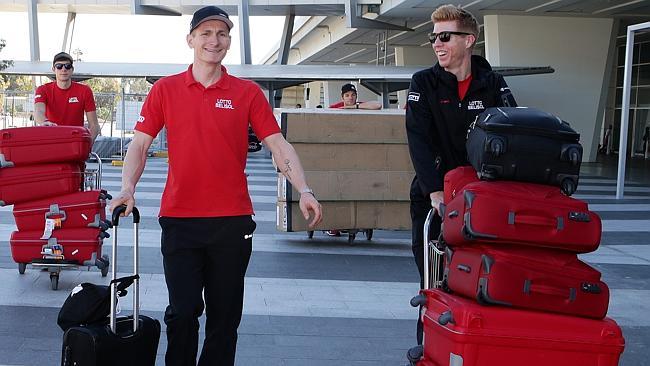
[
  {"x": 63, "y": 102},
  {"x": 442, "y": 101}
]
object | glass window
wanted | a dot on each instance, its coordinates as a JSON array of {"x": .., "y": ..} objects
[
  {"x": 644, "y": 75},
  {"x": 645, "y": 53},
  {"x": 619, "y": 97},
  {"x": 643, "y": 100},
  {"x": 620, "y": 71}
]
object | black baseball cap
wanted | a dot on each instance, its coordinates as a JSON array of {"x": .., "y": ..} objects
[
  {"x": 62, "y": 56},
  {"x": 348, "y": 87},
  {"x": 209, "y": 13}
]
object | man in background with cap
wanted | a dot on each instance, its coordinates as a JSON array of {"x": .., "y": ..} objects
[
  {"x": 205, "y": 213},
  {"x": 349, "y": 100},
  {"x": 63, "y": 101}
]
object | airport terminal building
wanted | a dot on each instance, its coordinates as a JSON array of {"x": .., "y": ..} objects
[{"x": 583, "y": 42}]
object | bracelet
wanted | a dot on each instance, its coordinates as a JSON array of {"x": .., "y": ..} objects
[{"x": 308, "y": 190}]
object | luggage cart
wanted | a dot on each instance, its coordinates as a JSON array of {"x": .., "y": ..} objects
[
  {"x": 53, "y": 260},
  {"x": 352, "y": 234},
  {"x": 434, "y": 255}
]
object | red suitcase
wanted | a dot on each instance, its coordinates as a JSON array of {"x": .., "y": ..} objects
[
  {"x": 504, "y": 212},
  {"x": 459, "y": 331},
  {"x": 22, "y": 184},
  {"x": 75, "y": 210},
  {"x": 529, "y": 278},
  {"x": 80, "y": 246},
  {"x": 43, "y": 144},
  {"x": 456, "y": 179}
]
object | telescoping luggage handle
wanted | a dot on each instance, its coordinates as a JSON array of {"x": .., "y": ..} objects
[
  {"x": 119, "y": 210},
  {"x": 433, "y": 256}
]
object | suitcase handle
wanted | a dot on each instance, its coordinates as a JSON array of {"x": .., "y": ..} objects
[
  {"x": 536, "y": 220},
  {"x": 550, "y": 290},
  {"x": 119, "y": 210}
]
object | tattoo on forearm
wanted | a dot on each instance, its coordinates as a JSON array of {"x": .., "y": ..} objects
[{"x": 287, "y": 168}]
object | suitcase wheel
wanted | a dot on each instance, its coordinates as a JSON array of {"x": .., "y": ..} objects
[
  {"x": 415, "y": 354},
  {"x": 568, "y": 186},
  {"x": 368, "y": 233},
  {"x": 22, "y": 267},
  {"x": 54, "y": 281},
  {"x": 310, "y": 234}
]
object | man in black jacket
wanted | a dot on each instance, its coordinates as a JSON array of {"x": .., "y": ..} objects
[{"x": 442, "y": 102}]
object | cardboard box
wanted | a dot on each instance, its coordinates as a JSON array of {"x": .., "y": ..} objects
[
  {"x": 353, "y": 157},
  {"x": 351, "y": 186},
  {"x": 344, "y": 126},
  {"x": 348, "y": 215}
]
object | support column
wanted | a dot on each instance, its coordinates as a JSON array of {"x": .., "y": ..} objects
[
  {"x": 244, "y": 32},
  {"x": 283, "y": 51},
  {"x": 32, "y": 14},
  {"x": 67, "y": 36}
]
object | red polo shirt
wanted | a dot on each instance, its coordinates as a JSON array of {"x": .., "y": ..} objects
[
  {"x": 207, "y": 135},
  {"x": 65, "y": 107}
]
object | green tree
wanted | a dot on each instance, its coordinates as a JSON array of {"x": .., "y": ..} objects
[
  {"x": 138, "y": 85},
  {"x": 4, "y": 63},
  {"x": 103, "y": 85},
  {"x": 21, "y": 83}
]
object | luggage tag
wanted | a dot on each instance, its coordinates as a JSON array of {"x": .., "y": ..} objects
[{"x": 50, "y": 225}]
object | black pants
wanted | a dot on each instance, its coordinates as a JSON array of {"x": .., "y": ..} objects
[
  {"x": 420, "y": 207},
  {"x": 205, "y": 260}
]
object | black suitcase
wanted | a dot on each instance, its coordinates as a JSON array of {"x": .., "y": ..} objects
[
  {"x": 115, "y": 341},
  {"x": 525, "y": 144}
]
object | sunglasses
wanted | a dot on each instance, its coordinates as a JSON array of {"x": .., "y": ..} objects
[
  {"x": 445, "y": 36},
  {"x": 61, "y": 66}
]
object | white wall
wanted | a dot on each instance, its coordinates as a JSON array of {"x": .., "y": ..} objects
[
  {"x": 576, "y": 48},
  {"x": 412, "y": 56}
]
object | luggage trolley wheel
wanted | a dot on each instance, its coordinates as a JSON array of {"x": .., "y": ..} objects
[
  {"x": 22, "y": 267},
  {"x": 352, "y": 234},
  {"x": 310, "y": 234},
  {"x": 104, "y": 269},
  {"x": 54, "y": 280}
]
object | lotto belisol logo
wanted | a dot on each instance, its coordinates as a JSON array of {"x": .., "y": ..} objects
[{"x": 414, "y": 97}]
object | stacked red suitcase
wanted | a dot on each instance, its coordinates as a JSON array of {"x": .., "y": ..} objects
[
  {"x": 59, "y": 224},
  {"x": 513, "y": 291}
]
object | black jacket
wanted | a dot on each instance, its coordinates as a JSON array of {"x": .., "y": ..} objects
[{"x": 437, "y": 121}]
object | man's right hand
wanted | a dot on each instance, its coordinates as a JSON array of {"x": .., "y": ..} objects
[
  {"x": 125, "y": 197},
  {"x": 437, "y": 198}
]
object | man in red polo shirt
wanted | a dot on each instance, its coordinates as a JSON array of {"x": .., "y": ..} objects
[
  {"x": 63, "y": 101},
  {"x": 206, "y": 209}
]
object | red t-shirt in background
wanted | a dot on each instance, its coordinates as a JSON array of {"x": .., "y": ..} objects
[
  {"x": 207, "y": 135},
  {"x": 463, "y": 86},
  {"x": 65, "y": 107}
]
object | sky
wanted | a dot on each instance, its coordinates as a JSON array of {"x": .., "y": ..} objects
[{"x": 128, "y": 38}]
